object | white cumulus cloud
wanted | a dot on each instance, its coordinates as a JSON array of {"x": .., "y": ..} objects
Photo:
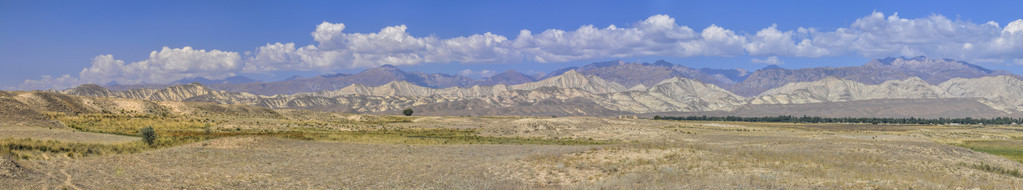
[
  {"x": 166, "y": 65},
  {"x": 878, "y": 35},
  {"x": 771, "y": 41},
  {"x": 872, "y": 36}
]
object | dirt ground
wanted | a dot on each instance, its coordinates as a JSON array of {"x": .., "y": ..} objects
[
  {"x": 61, "y": 134},
  {"x": 272, "y": 163},
  {"x": 647, "y": 155}
]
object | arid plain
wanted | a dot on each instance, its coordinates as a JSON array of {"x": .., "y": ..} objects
[{"x": 92, "y": 143}]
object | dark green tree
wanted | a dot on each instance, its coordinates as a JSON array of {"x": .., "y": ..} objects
[
  {"x": 148, "y": 135},
  {"x": 407, "y": 112}
]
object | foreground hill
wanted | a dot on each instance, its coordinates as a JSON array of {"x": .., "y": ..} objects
[
  {"x": 569, "y": 92},
  {"x": 573, "y": 93},
  {"x": 29, "y": 108}
]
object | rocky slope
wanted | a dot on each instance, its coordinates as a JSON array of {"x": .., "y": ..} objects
[
  {"x": 573, "y": 92},
  {"x": 573, "y": 79},
  {"x": 29, "y": 108},
  {"x": 934, "y": 71},
  {"x": 674, "y": 94},
  {"x": 171, "y": 93},
  {"x": 999, "y": 92},
  {"x": 649, "y": 74},
  {"x": 833, "y": 89}
]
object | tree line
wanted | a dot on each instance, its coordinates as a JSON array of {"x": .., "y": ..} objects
[{"x": 871, "y": 120}]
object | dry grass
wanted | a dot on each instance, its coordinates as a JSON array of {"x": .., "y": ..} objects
[
  {"x": 29, "y": 148},
  {"x": 173, "y": 130},
  {"x": 762, "y": 156},
  {"x": 371, "y": 151},
  {"x": 274, "y": 163},
  {"x": 436, "y": 136}
]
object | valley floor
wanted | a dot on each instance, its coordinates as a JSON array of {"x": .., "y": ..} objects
[{"x": 609, "y": 153}]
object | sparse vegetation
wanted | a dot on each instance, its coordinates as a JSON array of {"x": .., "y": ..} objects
[
  {"x": 642, "y": 154},
  {"x": 30, "y": 148},
  {"x": 170, "y": 130},
  {"x": 995, "y": 169},
  {"x": 437, "y": 136}
]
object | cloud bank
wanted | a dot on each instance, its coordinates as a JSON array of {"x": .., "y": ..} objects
[{"x": 871, "y": 36}]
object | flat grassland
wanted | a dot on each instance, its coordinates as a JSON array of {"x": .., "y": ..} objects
[{"x": 305, "y": 149}]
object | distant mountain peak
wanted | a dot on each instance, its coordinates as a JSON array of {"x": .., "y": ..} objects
[
  {"x": 90, "y": 86},
  {"x": 663, "y": 63},
  {"x": 386, "y": 68},
  {"x": 893, "y": 60},
  {"x": 506, "y": 77},
  {"x": 605, "y": 64},
  {"x": 772, "y": 66},
  {"x": 510, "y": 71},
  {"x": 204, "y": 80},
  {"x": 293, "y": 78},
  {"x": 510, "y": 74}
]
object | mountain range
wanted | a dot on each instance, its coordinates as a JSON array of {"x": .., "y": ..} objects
[
  {"x": 630, "y": 75},
  {"x": 612, "y": 88}
]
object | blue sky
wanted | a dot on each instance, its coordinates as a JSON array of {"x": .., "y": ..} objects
[{"x": 160, "y": 41}]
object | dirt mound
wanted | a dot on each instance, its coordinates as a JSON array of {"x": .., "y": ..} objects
[
  {"x": 14, "y": 112},
  {"x": 53, "y": 102}
]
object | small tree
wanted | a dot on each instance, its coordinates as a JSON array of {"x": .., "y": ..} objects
[
  {"x": 148, "y": 135},
  {"x": 407, "y": 112}
]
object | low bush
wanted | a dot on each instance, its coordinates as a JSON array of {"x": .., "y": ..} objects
[{"x": 148, "y": 135}]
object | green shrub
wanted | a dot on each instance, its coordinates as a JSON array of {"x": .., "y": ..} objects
[
  {"x": 148, "y": 135},
  {"x": 407, "y": 112}
]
